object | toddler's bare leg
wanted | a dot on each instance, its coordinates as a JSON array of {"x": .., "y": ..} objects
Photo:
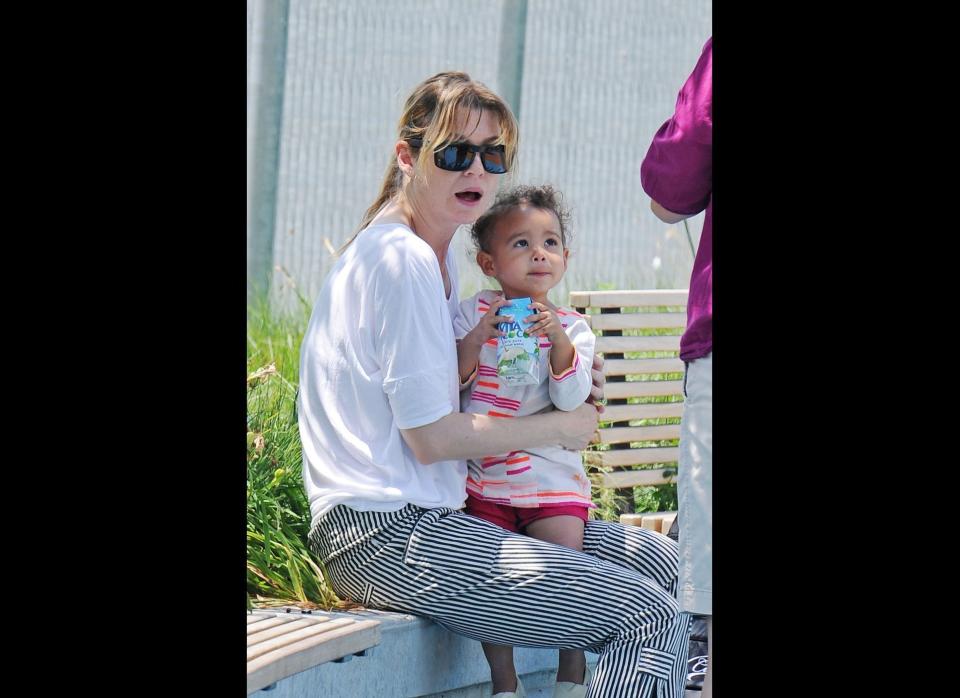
[
  {"x": 566, "y": 531},
  {"x": 502, "y": 672}
]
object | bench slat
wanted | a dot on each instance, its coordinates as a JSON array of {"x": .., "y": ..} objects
[
  {"x": 667, "y": 521},
  {"x": 623, "y": 413},
  {"x": 264, "y": 622},
  {"x": 633, "y": 456},
  {"x": 636, "y": 478},
  {"x": 628, "y": 299},
  {"x": 297, "y": 624},
  {"x": 620, "y": 435},
  {"x": 627, "y": 389},
  {"x": 660, "y": 521},
  {"x": 290, "y": 634},
  {"x": 618, "y": 345},
  {"x": 638, "y": 321},
  {"x": 621, "y": 367}
]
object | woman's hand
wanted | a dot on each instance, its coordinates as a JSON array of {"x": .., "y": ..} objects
[
  {"x": 581, "y": 427},
  {"x": 599, "y": 380}
]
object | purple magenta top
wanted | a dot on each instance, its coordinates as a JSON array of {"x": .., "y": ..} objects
[{"x": 677, "y": 173}]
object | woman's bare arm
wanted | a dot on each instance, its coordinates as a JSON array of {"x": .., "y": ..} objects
[{"x": 465, "y": 435}]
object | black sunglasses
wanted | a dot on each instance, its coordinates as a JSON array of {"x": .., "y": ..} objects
[{"x": 457, "y": 157}]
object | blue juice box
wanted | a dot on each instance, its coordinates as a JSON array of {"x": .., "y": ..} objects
[{"x": 518, "y": 353}]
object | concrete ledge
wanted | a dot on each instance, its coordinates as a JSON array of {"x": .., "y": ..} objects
[{"x": 414, "y": 659}]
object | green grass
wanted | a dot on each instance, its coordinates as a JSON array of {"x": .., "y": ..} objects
[{"x": 280, "y": 566}]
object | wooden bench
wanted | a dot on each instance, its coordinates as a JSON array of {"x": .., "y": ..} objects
[
  {"x": 286, "y": 641},
  {"x": 640, "y": 342}
]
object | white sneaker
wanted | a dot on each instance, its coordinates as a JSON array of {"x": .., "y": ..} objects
[
  {"x": 568, "y": 689},
  {"x": 519, "y": 693}
]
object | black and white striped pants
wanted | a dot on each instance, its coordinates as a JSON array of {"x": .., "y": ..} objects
[{"x": 476, "y": 579}]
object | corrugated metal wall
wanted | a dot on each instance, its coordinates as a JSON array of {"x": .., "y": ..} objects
[{"x": 596, "y": 80}]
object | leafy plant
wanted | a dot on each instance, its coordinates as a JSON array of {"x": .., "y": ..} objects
[{"x": 280, "y": 565}]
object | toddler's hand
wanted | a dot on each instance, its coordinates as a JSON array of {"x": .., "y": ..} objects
[
  {"x": 486, "y": 328},
  {"x": 546, "y": 324}
]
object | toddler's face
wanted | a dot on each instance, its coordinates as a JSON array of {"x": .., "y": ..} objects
[{"x": 526, "y": 255}]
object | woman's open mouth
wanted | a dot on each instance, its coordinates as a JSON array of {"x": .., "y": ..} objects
[{"x": 469, "y": 196}]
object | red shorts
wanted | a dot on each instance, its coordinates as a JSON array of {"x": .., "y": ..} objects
[{"x": 518, "y": 518}]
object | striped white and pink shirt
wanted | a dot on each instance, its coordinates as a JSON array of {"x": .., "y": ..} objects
[{"x": 537, "y": 476}]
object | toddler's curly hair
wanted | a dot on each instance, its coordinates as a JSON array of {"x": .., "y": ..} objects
[{"x": 543, "y": 197}]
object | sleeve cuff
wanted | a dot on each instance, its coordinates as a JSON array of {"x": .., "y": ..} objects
[{"x": 563, "y": 375}]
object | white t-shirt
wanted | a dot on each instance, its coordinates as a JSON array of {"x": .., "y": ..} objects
[{"x": 379, "y": 356}]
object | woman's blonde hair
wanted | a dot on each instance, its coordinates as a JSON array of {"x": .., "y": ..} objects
[{"x": 430, "y": 113}]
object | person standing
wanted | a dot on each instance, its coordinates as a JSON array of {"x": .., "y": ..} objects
[{"x": 677, "y": 174}]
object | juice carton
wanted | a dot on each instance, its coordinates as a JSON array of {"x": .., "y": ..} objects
[{"x": 518, "y": 354}]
